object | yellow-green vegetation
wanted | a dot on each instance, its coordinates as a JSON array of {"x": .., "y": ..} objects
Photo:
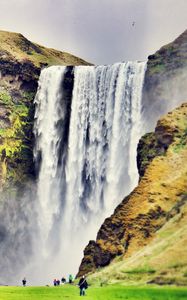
[
  {"x": 181, "y": 141},
  {"x": 155, "y": 144},
  {"x": 16, "y": 46},
  {"x": 112, "y": 292},
  {"x": 5, "y": 98},
  {"x": 158, "y": 68},
  {"x": 163, "y": 261},
  {"x": 12, "y": 136},
  {"x": 171, "y": 56}
]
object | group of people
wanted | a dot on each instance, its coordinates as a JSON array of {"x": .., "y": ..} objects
[
  {"x": 83, "y": 285},
  {"x": 56, "y": 282}
]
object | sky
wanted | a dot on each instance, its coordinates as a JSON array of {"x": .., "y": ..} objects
[{"x": 99, "y": 31}]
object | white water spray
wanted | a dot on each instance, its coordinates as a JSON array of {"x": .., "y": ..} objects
[
  {"x": 48, "y": 113},
  {"x": 99, "y": 168}
]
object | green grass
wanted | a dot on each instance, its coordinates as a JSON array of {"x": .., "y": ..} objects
[
  {"x": 140, "y": 271},
  {"x": 112, "y": 292}
]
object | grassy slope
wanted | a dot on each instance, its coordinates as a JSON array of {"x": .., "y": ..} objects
[
  {"x": 169, "y": 57},
  {"x": 103, "y": 293},
  {"x": 164, "y": 259},
  {"x": 16, "y": 46}
]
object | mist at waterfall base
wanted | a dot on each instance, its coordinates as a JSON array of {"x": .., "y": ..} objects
[
  {"x": 88, "y": 122},
  {"x": 18, "y": 215},
  {"x": 86, "y": 152}
]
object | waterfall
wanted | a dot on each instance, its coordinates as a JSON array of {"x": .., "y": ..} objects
[
  {"x": 85, "y": 153},
  {"x": 48, "y": 113}
]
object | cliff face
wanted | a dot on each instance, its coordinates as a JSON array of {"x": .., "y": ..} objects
[
  {"x": 20, "y": 65},
  {"x": 165, "y": 79},
  {"x": 159, "y": 197}
]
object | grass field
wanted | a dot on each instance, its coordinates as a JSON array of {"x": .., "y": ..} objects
[{"x": 112, "y": 292}]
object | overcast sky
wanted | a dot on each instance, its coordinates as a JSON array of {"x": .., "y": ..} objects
[{"x": 99, "y": 31}]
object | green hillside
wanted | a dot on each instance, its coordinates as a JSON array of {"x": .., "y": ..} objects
[{"x": 16, "y": 46}]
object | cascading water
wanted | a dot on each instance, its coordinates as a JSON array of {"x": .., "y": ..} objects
[
  {"x": 82, "y": 179},
  {"x": 48, "y": 113}
]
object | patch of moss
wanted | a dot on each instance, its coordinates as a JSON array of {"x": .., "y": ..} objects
[
  {"x": 181, "y": 142},
  {"x": 9, "y": 147},
  {"x": 158, "y": 68},
  {"x": 5, "y": 98},
  {"x": 15, "y": 147},
  {"x": 28, "y": 96},
  {"x": 2, "y": 132}
]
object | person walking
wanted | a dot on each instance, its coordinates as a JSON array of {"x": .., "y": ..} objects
[
  {"x": 24, "y": 281},
  {"x": 58, "y": 282},
  {"x": 55, "y": 282},
  {"x": 63, "y": 280},
  {"x": 70, "y": 279},
  {"x": 83, "y": 285}
]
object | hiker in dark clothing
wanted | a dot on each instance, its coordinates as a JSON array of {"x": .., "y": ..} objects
[
  {"x": 63, "y": 280},
  {"x": 24, "y": 281},
  {"x": 58, "y": 282},
  {"x": 83, "y": 285},
  {"x": 54, "y": 282}
]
